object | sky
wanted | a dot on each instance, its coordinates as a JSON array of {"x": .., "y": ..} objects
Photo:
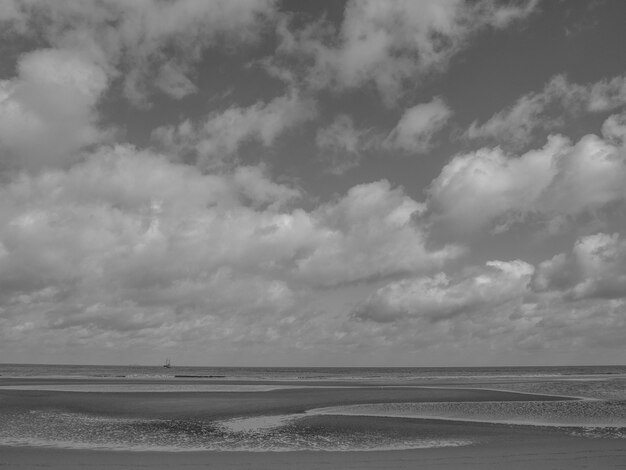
[{"x": 328, "y": 183}]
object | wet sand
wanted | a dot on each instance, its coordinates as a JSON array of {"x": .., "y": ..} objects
[
  {"x": 244, "y": 403},
  {"x": 492, "y": 445},
  {"x": 529, "y": 453}
]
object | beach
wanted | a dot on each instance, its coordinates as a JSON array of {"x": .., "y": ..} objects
[
  {"x": 538, "y": 454},
  {"x": 221, "y": 422}
]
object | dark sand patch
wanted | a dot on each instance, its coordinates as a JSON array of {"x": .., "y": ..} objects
[{"x": 228, "y": 404}]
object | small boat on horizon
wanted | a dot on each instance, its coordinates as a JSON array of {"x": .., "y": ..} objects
[{"x": 167, "y": 364}]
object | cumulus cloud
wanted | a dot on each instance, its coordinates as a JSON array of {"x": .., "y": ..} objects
[
  {"x": 614, "y": 129},
  {"x": 517, "y": 125},
  {"x": 391, "y": 44},
  {"x": 607, "y": 94},
  {"x": 128, "y": 244},
  {"x": 133, "y": 37},
  {"x": 220, "y": 134},
  {"x": 48, "y": 111},
  {"x": 111, "y": 247},
  {"x": 595, "y": 268},
  {"x": 172, "y": 81},
  {"x": 495, "y": 310},
  {"x": 418, "y": 124},
  {"x": 441, "y": 298},
  {"x": 490, "y": 188},
  {"x": 123, "y": 213},
  {"x": 369, "y": 233},
  {"x": 342, "y": 144}
]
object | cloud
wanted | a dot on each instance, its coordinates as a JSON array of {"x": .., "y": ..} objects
[
  {"x": 517, "y": 125},
  {"x": 415, "y": 130},
  {"x": 490, "y": 188},
  {"x": 596, "y": 268},
  {"x": 128, "y": 246},
  {"x": 494, "y": 310},
  {"x": 138, "y": 38},
  {"x": 614, "y": 129},
  {"x": 108, "y": 249},
  {"x": 220, "y": 134},
  {"x": 122, "y": 207},
  {"x": 172, "y": 81},
  {"x": 441, "y": 298},
  {"x": 342, "y": 144},
  {"x": 392, "y": 44},
  {"x": 607, "y": 94},
  {"x": 475, "y": 189},
  {"x": 258, "y": 189},
  {"x": 48, "y": 111},
  {"x": 371, "y": 233}
]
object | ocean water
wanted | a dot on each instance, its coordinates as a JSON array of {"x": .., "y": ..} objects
[
  {"x": 395, "y": 374},
  {"x": 599, "y": 410}
]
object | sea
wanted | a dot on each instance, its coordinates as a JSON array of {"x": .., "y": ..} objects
[
  {"x": 587, "y": 401},
  {"x": 305, "y": 373}
]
